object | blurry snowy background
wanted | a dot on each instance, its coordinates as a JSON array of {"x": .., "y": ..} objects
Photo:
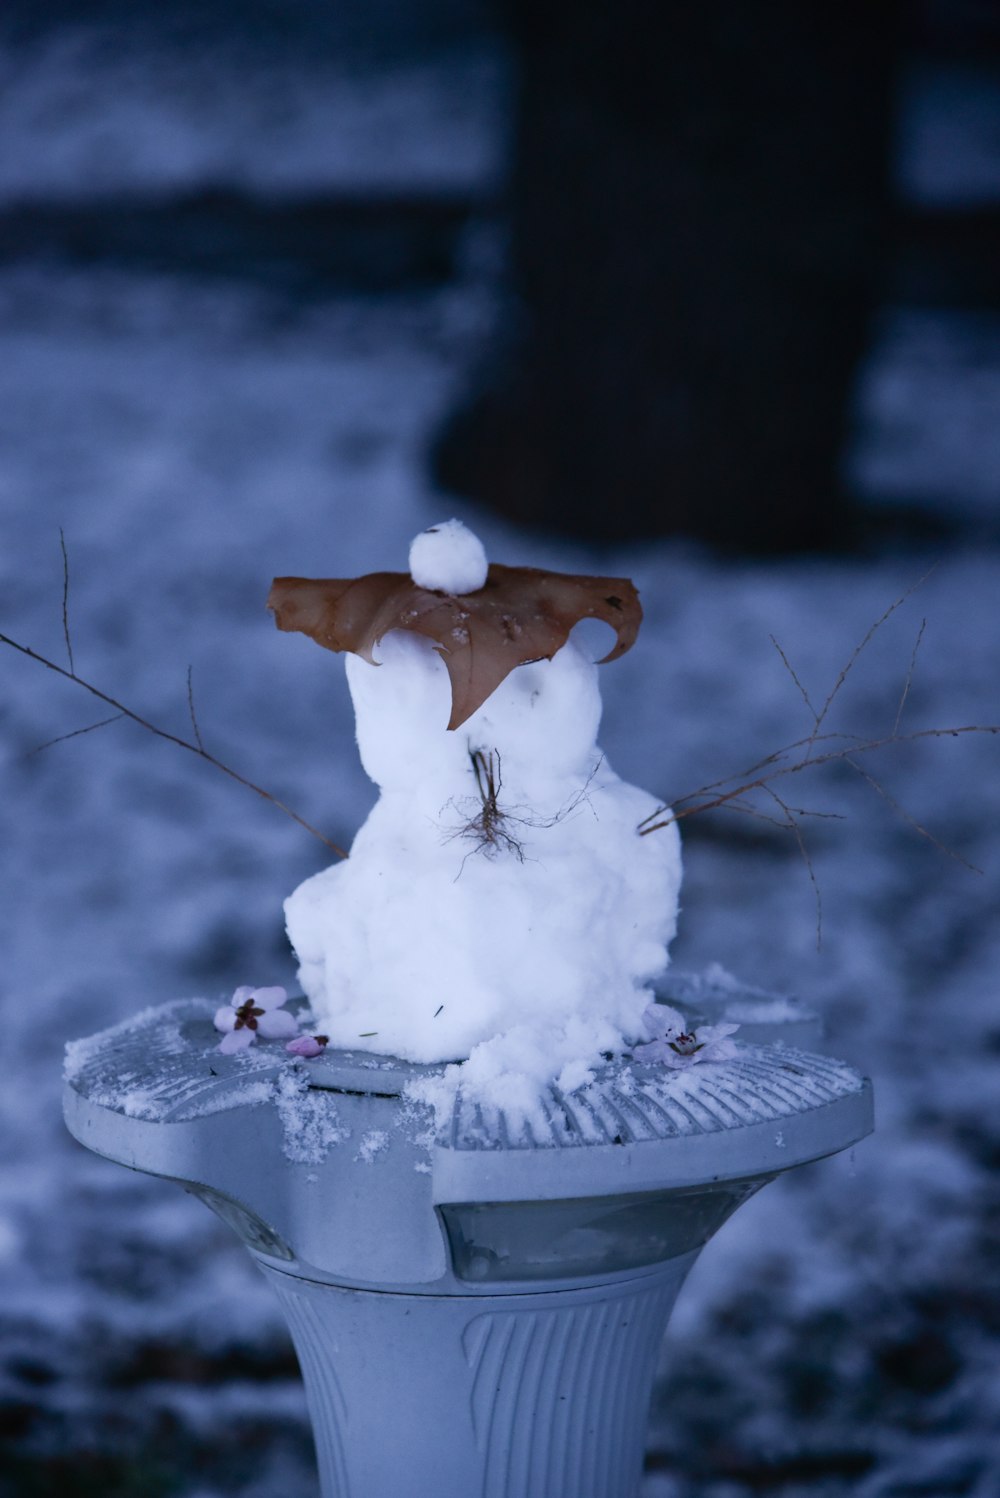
[{"x": 245, "y": 271}]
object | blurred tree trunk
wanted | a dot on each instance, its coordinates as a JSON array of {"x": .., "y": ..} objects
[{"x": 697, "y": 209}]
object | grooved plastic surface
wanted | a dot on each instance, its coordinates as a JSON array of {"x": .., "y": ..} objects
[
  {"x": 327, "y": 1405},
  {"x": 560, "y": 1397},
  {"x": 530, "y": 1396},
  {"x": 629, "y": 1103},
  {"x": 164, "y": 1065}
]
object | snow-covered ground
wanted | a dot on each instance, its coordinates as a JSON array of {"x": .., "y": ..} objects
[
  {"x": 841, "y": 1335},
  {"x": 108, "y": 109}
]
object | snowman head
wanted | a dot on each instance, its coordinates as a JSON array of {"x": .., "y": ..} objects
[{"x": 515, "y": 616}]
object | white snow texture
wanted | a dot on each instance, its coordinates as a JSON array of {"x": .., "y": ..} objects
[
  {"x": 529, "y": 955},
  {"x": 448, "y": 558}
]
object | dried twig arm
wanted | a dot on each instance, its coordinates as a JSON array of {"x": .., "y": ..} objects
[
  {"x": 65, "y": 601},
  {"x": 196, "y": 749},
  {"x": 74, "y": 733},
  {"x": 664, "y": 815}
]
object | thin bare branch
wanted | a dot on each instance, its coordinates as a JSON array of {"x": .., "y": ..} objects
[
  {"x": 826, "y": 816},
  {"x": 61, "y": 738},
  {"x": 752, "y": 778},
  {"x": 793, "y": 826},
  {"x": 194, "y": 715},
  {"x": 709, "y": 802},
  {"x": 65, "y": 602},
  {"x": 880, "y": 789},
  {"x": 735, "y": 792},
  {"x": 909, "y": 676},
  {"x": 171, "y": 738},
  {"x": 788, "y": 822},
  {"x": 747, "y": 810},
  {"x": 749, "y": 775},
  {"x": 794, "y": 675},
  {"x": 860, "y": 648}
]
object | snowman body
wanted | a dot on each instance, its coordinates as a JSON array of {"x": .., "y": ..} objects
[{"x": 499, "y": 905}]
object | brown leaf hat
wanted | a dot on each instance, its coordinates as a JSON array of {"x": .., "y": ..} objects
[{"x": 520, "y": 614}]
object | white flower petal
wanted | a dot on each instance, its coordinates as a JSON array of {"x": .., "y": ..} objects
[
  {"x": 277, "y": 1025},
  {"x": 679, "y": 1063},
  {"x": 709, "y": 1034},
  {"x": 719, "y": 1050},
  {"x": 225, "y": 1018},
  {"x": 268, "y": 998},
  {"x": 236, "y": 1040},
  {"x": 240, "y": 995},
  {"x": 661, "y": 1020}
]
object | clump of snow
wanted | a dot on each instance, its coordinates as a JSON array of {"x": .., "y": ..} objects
[
  {"x": 510, "y": 1073},
  {"x": 518, "y": 934},
  {"x": 308, "y": 1117},
  {"x": 574, "y": 1075},
  {"x": 448, "y": 558},
  {"x": 142, "y": 1102},
  {"x": 374, "y": 1143}
]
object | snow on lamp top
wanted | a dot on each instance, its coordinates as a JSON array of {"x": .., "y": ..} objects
[{"x": 483, "y": 620}]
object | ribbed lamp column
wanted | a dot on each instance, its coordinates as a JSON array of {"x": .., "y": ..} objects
[{"x": 513, "y": 1396}]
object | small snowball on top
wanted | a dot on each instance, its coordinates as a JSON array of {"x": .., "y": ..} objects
[{"x": 448, "y": 558}]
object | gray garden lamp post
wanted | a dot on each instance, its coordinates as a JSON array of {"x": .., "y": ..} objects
[{"x": 477, "y": 1310}]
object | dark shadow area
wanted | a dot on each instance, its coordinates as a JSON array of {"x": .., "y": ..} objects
[
  {"x": 702, "y": 225},
  {"x": 309, "y": 246},
  {"x": 703, "y": 214}
]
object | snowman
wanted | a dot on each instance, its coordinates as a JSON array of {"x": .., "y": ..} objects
[{"x": 500, "y": 909}]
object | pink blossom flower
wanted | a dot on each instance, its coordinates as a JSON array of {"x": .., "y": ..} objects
[
  {"x": 308, "y": 1045},
  {"x": 674, "y": 1045},
  {"x": 252, "y": 1012}
]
